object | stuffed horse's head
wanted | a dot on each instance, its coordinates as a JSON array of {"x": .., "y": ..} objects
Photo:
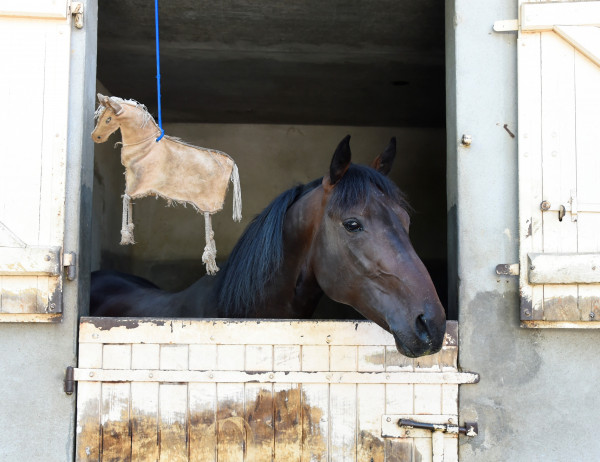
[
  {"x": 363, "y": 256},
  {"x": 108, "y": 118}
]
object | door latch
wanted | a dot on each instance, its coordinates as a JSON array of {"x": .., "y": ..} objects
[
  {"x": 470, "y": 428},
  {"x": 77, "y": 12}
]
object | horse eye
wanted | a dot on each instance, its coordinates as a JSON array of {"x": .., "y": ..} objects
[
  {"x": 353, "y": 225},
  {"x": 108, "y": 119}
]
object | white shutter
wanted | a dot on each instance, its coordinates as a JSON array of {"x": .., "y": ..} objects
[
  {"x": 34, "y": 84},
  {"x": 559, "y": 163}
]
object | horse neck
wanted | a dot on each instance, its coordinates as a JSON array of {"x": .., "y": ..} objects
[
  {"x": 293, "y": 291},
  {"x": 135, "y": 128}
]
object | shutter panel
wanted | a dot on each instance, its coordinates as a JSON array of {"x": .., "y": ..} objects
[
  {"x": 34, "y": 84},
  {"x": 559, "y": 164}
]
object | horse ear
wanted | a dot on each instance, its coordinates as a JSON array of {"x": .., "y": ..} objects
[
  {"x": 340, "y": 161},
  {"x": 383, "y": 162},
  {"x": 102, "y": 99},
  {"x": 115, "y": 106}
]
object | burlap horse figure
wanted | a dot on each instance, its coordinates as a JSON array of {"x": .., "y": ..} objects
[{"x": 169, "y": 168}]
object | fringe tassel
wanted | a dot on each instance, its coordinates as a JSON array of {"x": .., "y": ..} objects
[
  {"x": 210, "y": 251},
  {"x": 237, "y": 194},
  {"x": 127, "y": 222}
]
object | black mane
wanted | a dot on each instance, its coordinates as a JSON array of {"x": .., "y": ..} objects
[{"x": 259, "y": 252}]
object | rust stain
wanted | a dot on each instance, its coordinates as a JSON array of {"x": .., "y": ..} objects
[
  {"x": 144, "y": 436},
  {"x": 370, "y": 448},
  {"x": 561, "y": 309},
  {"x": 398, "y": 450},
  {"x": 23, "y": 301}
]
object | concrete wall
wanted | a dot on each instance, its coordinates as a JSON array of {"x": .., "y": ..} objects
[
  {"x": 271, "y": 159},
  {"x": 537, "y": 397},
  {"x": 36, "y": 417}
]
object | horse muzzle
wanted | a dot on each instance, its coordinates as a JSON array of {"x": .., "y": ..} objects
[{"x": 425, "y": 335}]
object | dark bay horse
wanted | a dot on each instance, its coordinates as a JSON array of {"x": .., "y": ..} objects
[{"x": 345, "y": 235}]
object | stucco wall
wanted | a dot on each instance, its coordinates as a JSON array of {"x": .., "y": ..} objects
[
  {"x": 271, "y": 159},
  {"x": 537, "y": 397}
]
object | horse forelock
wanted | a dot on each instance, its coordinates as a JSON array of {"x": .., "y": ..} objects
[
  {"x": 356, "y": 187},
  {"x": 256, "y": 257},
  {"x": 146, "y": 116}
]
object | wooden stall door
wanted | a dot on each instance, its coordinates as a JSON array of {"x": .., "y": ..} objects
[
  {"x": 34, "y": 94},
  {"x": 232, "y": 390},
  {"x": 559, "y": 163}
]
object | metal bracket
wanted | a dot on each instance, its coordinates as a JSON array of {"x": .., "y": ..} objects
[
  {"x": 70, "y": 264},
  {"x": 574, "y": 209},
  {"x": 507, "y": 269},
  {"x": 77, "y": 12}
]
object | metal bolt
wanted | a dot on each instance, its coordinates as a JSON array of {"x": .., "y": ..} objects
[
  {"x": 212, "y": 338},
  {"x": 527, "y": 313},
  {"x": 328, "y": 339},
  {"x": 545, "y": 205},
  {"x": 592, "y": 315},
  {"x": 407, "y": 433},
  {"x": 94, "y": 335},
  {"x": 211, "y": 376},
  {"x": 91, "y": 374},
  {"x": 466, "y": 140},
  {"x": 47, "y": 257},
  {"x": 271, "y": 376},
  {"x": 532, "y": 267},
  {"x": 593, "y": 268},
  {"x": 389, "y": 419},
  {"x": 387, "y": 377},
  {"x": 328, "y": 376},
  {"x": 150, "y": 375}
]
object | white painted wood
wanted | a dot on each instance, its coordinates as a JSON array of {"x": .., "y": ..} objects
[
  {"x": 34, "y": 93},
  {"x": 342, "y": 427},
  {"x": 144, "y": 421},
  {"x": 88, "y": 421},
  {"x": 568, "y": 268},
  {"x": 173, "y": 422},
  {"x": 585, "y": 39},
  {"x": 145, "y": 375},
  {"x": 55, "y": 9},
  {"x": 545, "y": 15},
  {"x": 162, "y": 399},
  {"x": 229, "y": 332},
  {"x": 559, "y": 95}
]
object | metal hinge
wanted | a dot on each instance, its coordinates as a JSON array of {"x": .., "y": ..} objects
[
  {"x": 77, "y": 12},
  {"x": 70, "y": 264},
  {"x": 69, "y": 380}
]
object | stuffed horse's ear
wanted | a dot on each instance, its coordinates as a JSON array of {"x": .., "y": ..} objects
[
  {"x": 383, "y": 162},
  {"x": 114, "y": 105},
  {"x": 340, "y": 162},
  {"x": 102, "y": 99}
]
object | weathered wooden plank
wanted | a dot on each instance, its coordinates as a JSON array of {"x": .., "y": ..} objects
[
  {"x": 587, "y": 96},
  {"x": 231, "y": 357},
  {"x": 530, "y": 168},
  {"x": 287, "y": 408},
  {"x": 116, "y": 438},
  {"x": 545, "y": 15},
  {"x": 90, "y": 355},
  {"x": 152, "y": 375},
  {"x": 258, "y": 414},
  {"x": 422, "y": 449},
  {"x": 370, "y": 407},
  {"x": 558, "y": 165},
  {"x": 117, "y": 357},
  {"x": 232, "y": 428},
  {"x": 342, "y": 427},
  {"x": 450, "y": 399},
  {"x": 174, "y": 357},
  {"x": 259, "y": 358},
  {"x": 172, "y": 424},
  {"x": 30, "y": 261},
  {"x": 399, "y": 450},
  {"x": 343, "y": 358},
  {"x": 564, "y": 268},
  {"x": 427, "y": 399},
  {"x": 143, "y": 356},
  {"x": 202, "y": 422},
  {"x": 394, "y": 361},
  {"x": 88, "y": 421},
  {"x": 315, "y": 422},
  {"x": 229, "y": 332},
  {"x": 315, "y": 358},
  {"x": 584, "y": 39},
  {"x": 144, "y": 421},
  {"x": 371, "y": 358},
  {"x": 203, "y": 357},
  {"x": 286, "y": 357}
]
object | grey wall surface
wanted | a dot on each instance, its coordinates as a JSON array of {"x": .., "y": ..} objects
[
  {"x": 36, "y": 417},
  {"x": 271, "y": 159},
  {"x": 537, "y": 399}
]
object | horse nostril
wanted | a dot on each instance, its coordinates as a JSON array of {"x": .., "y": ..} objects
[{"x": 422, "y": 328}]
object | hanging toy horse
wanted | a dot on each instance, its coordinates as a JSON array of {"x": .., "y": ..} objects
[{"x": 167, "y": 167}]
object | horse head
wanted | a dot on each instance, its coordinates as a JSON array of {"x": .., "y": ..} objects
[
  {"x": 109, "y": 112},
  {"x": 362, "y": 255}
]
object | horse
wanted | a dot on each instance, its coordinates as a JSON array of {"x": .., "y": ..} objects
[{"x": 345, "y": 235}]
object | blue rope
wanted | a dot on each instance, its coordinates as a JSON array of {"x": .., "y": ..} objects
[{"x": 162, "y": 132}]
